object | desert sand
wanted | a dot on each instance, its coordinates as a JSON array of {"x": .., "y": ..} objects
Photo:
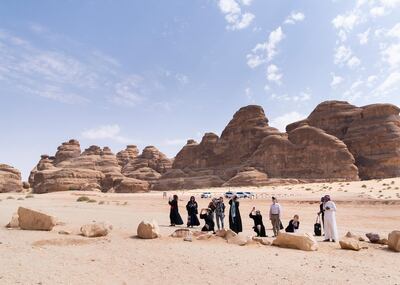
[{"x": 35, "y": 257}]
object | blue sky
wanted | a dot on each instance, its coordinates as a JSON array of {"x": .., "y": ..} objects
[{"x": 155, "y": 72}]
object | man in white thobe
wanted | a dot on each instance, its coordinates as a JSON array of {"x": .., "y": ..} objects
[{"x": 330, "y": 228}]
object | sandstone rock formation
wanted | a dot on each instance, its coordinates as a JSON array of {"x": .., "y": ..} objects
[
  {"x": 296, "y": 241},
  {"x": 371, "y": 133},
  {"x": 10, "y": 179},
  {"x": 148, "y": 230},
  {"x": 33, "y": 220},
  {"x": 248, "y": 177},
  {"x": 14, "y": 223},
  {"x": 98, "y": 169}
]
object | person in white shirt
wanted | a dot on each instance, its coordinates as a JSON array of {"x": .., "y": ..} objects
[
  {"x": 275, "y": 213},
  {"x": 330, "y": 228}
]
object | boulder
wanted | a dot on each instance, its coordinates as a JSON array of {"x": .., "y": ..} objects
[
  {"x": 220, "y": 233},
  {"x": 237, "y": 239},
  {"x": 10, "y": 179},
  {"x": 181, "y": 233},
  {"x": 148, "y": 230},
  {"x": 248, "y": 177},
  {"x": 94, "y": 230},
  {"x": 394, "y": 241},
  {"x": 350, "y": 244},
  {"x": 33, "y": 220},
  {"x": 229, "y": 234},
  {"x": 204, "y": 236},
  {"x": 14, "y": 223},
  {"x": 373, "y": 237},
  {"x": 304, "y": 242}
]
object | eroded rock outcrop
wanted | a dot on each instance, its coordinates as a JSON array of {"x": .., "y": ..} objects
[
  {"x": 98, "y": 169},
  {"x": 10, "y": 179},
  {"x": 371, "y": 133}
]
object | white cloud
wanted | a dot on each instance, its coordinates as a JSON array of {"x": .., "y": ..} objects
[
  {"x": 390, "y": 84},
  {"x": 105, "y": 132},
  {"x": 302, "y": 97},
  {"x": 336, "y": 80},
  {"x": 128, "y": 92},
  {"x": 236, "y": 19},
  {"x": 294, "y": 17},
  {"x": 264, "y": 52},
  {"x": 371, "y": 80},
  {"x": 363, "y": 37},
  {"x": 282, "y": 121},
  {"x": 249, "y": 95},
  {"x": 347, "y": 21},
  {"x": 246, "y": 2},
  {"x": 377, "y": 11},
  {"x": 353, "y": 62},
  {"x": 391, "y": 55},
  {"x": 354, "y": 92},
  {"x": 273, "y": 74},
  {"x": 394, "y": 32},
  {"x": 342, "y": 54}
]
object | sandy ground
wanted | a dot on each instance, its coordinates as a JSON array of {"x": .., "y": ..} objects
[{"x": 32, "y": 257}]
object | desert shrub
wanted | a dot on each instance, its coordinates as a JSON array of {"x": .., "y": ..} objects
[
  {"x": 20, "y": 198},
  {"x": 91, "y": 201},
  {"x": 364, "y": 186},
  {"x": 10, "y": 197},
  {"x": 29, "y": 196},
  {"x": 101, "y": 203},
  {"x": 83, "y": 199}
]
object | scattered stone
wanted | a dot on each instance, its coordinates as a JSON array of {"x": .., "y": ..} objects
[
  {"x": 350, "y": 244},
  {"x": 237, "y": 239},
  {"x": 373, "y": 237},
  {"x": 230, "y": 234},
  {"x": 220, "y": 233},
  {"x": 262, "y": 240},
  {"x": 94, "y": 230},
  {"x": 34, "y": 220},
  {"x": 64, "y": 232},
  {"x": 181, "y": 233},
  {"x": 296, "y": 241},
  {"x": 148, "y": 230},
  {"x": 353, "y": 236}
]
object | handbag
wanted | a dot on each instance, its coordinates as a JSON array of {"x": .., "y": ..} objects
[{"x": 317, "y": 227}]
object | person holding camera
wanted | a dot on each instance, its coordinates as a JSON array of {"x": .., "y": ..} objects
[{"x": 258, "y": 222}]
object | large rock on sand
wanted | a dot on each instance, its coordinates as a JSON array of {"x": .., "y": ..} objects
[
  {"x": 350, "y": 244},
  {"x": 94, "y": 230},
  {"x": 148, "y": 230},
  {"x": 296, "y": 241},
  {"x": 14, "y": 223},
  {"x": 394, "y": 241},
  {"x": 33, "y": 220},
  {"x": 10, "y": 179},
  {"x": 248, "y": 177}
]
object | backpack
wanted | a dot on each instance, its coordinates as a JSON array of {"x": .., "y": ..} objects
[{"x": 317, "y": 227}]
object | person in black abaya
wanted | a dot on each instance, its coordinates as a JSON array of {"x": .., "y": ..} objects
[
  {"x": 258, "y": 222},
  {"x": 207, "y": 216},
  {"x": 192, "y": 209},
  {"x": 174, "y": 215},
  {"x": 235, "y": 221}
]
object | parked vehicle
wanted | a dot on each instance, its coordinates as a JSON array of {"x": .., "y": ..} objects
[
  {"x": 249, "y": 195},
  {"x": 205, "y": 195},
  {"x": 229, "y": 194},
  {"x": 240, "y": 195}
]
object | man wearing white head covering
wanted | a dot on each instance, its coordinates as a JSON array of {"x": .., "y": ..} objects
[{"x": 330, "y": 228}]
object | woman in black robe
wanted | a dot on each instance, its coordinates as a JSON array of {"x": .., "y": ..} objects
[
  {"x": 294, "y": 225},
  {"x": 207, "y": 216},
  {"x": 258, "y": 223},
  {"x": 174, "y": 216},
  {"x": 192, "y": 209},
  {"x": 235, "y": 221}
]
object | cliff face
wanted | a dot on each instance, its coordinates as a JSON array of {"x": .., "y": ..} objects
[{"x": 10, "y": 179}]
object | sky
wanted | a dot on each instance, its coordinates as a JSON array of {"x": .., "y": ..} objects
[{"x": 112, "y": 73}]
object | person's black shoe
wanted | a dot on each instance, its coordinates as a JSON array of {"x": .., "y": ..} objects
[
  {"x": 333, "y": 240},
  {"x": 326, "y": 240}
]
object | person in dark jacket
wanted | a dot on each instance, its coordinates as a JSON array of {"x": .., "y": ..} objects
[
  {"x": 207, "y": 216},
  {"x": 174, "y": 215},
  {"x": 192, "y": 209},
  {"x": 322, "y": 210},
  {"x": 258, "y": 222},
  {"x": 294, "y": 225},
  {"x": 235, "y": 221}
]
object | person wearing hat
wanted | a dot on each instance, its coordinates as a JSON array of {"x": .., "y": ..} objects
[
  {"x": 330, "y": 228},
  {"x": 258, "y": 222},
  {"x": 235, "y": 221}
]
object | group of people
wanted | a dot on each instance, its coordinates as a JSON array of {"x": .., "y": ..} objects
[{"x": 216, "y": 211}]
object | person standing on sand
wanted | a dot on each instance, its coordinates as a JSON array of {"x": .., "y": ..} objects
[
  {"x": 330, "y": 228},
  {"x": 321, "y": 209},
  {"x": 258, "y": 222},
  {"x": 220, "y": 213},
  {"x": 235, "y": 221},
  {"x": 174, "y": 215},
  {"x": 192, "y": 209},
  {"x": 275, "y": 213}
]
